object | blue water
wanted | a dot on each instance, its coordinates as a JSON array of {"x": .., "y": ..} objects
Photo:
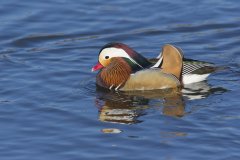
[{"x": 49, "y": 105}]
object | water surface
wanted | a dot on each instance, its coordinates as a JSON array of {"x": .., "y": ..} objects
[{"x": 50, "y": 107}]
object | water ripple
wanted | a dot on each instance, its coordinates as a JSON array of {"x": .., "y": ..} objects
[{"x": 50, "y": 107}]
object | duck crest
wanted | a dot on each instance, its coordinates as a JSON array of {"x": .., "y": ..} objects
[
  {"x": 115, "y": 75},
  {"x": 138, "y": 58}
]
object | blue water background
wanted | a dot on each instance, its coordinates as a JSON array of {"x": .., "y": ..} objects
[{"x": 49, "y": 105}]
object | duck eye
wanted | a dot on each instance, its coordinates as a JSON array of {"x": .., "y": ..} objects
[{"x": 106, "y": 57}]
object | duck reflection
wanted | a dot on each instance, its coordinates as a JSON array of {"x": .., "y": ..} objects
[
  {"x": 120, "y": 108},
  {"x": 127, "y": 107}
]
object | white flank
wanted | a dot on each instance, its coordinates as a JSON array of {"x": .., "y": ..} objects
[{"x": 193, "y": 78}]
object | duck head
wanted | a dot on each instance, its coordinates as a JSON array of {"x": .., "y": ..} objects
[
  {"x": 116, "y": 63},
  {"x": 113, "y": 50}
]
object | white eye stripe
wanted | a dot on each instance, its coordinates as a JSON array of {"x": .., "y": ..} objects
[{"x": 116, "y": 52}]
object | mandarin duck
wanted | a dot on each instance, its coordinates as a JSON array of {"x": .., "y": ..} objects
[{"x": 122, "y": 68}]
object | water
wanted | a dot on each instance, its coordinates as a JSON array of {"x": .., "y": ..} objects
[{"x": 49, "y": 105}]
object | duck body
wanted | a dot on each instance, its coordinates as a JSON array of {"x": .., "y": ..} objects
[
  {"x": 122, "y": 68},
  {"x": 120, "y": 76},
  {"x": 150, "y": 79}
]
